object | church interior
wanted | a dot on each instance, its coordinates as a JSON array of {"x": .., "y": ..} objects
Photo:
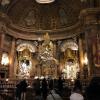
[
  {"x": 49, "y": 38},
  {"x": 42, "y": 39}
]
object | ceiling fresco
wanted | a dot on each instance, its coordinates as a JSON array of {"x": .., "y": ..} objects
[
  {"x": 28, "y": 19},
  {"x": 32, "y": 15}
]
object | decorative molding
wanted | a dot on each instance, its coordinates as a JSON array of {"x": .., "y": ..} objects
[
  {"x": 31, "y": 34},
  {"x": 25, "y": 45}
]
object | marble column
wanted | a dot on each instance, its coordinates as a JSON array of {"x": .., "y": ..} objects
[
  {"x": 12, "y": 59},
  {"x": 87, "y": 51},
  {"x": 1, "y": 45},
  {"x": 81, "y": 56}
]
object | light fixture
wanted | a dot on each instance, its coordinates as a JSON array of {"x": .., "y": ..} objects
[
  {"x": 5, "y": 59},
  {"x": 44, "y": 1}
]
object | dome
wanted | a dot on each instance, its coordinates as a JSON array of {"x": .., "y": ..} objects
[{"x": 29, "y": 14}]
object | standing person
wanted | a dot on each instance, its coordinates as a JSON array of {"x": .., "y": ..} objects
[
  {"x": 78, "y": 84},
  {"x": 38, "y": 96},
  {"x": 36, "y": 86},
  {"x": 76, "y": 95},
  {"x": 23, "y": 89},
  {"x": 44, "y": 89},
  {"x": 18, "y": 91},
  {"x": 51, "y": 84},
  {"x": 93, "y": 89},
  {"x": 60, "y": 86}
]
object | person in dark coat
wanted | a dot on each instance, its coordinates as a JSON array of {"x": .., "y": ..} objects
[
  {"x": 78, "y": 84},
  {"x": 93, "y": 90},
  {"x": 51, "y": 84},
  {"x": 18, "y": 91},
  {"x": 38, "y": 96},
  {"x": 36, "y": 86},
  {"x": 60, "y": 86},
  {"x": 23, "y": 86},
  {"x": 44, "y": 89}
]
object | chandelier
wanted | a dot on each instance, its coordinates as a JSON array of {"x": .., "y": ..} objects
[
  {"x": 44, "y": 1},
  {"x": 5, "y": 59}
]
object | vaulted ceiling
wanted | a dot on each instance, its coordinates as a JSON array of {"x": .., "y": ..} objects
[
  {"x": 59, "y": 14},
  {"x": 27, "y": 18}
]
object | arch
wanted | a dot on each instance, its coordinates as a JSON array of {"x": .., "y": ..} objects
[
  {"x": 22, "y": 46},
  {"x": 71, "y": 44}
]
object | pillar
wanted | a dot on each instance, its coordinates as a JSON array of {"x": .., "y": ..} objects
[
  {"x": 12, "y": 59},
  {"x": 81, "y": 56},
  {"x": 1, "y": 45}
]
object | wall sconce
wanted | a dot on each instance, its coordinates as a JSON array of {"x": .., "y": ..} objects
[{"x": 5, "y": 59}]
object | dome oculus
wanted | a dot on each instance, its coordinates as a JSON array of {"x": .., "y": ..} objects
[{"x": 45, "y": 1}]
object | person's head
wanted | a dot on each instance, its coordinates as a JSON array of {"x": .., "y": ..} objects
[
  {"x": 76, "y": 89},
  {"x": 59, "y": 77},
  {"x": 24, "y": 80}
]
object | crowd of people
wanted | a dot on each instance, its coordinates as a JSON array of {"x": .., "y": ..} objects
[
  {"x": 41, "y": 88},
  {"x": 45, "y": 88}
]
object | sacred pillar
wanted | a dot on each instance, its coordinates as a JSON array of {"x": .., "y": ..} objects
[
  {"x": 12, "y": 59},
  {"x": 81, "y": 56}
]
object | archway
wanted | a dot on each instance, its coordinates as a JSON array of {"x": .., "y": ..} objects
[
  {"x": 71, "y": 63},
  {"x": 24, "y": 60}
]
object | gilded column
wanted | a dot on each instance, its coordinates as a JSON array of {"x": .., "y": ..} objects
[{"x": 12, "y": 59}]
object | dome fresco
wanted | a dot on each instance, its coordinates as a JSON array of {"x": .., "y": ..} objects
[{"x": 31, "y": 15}]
